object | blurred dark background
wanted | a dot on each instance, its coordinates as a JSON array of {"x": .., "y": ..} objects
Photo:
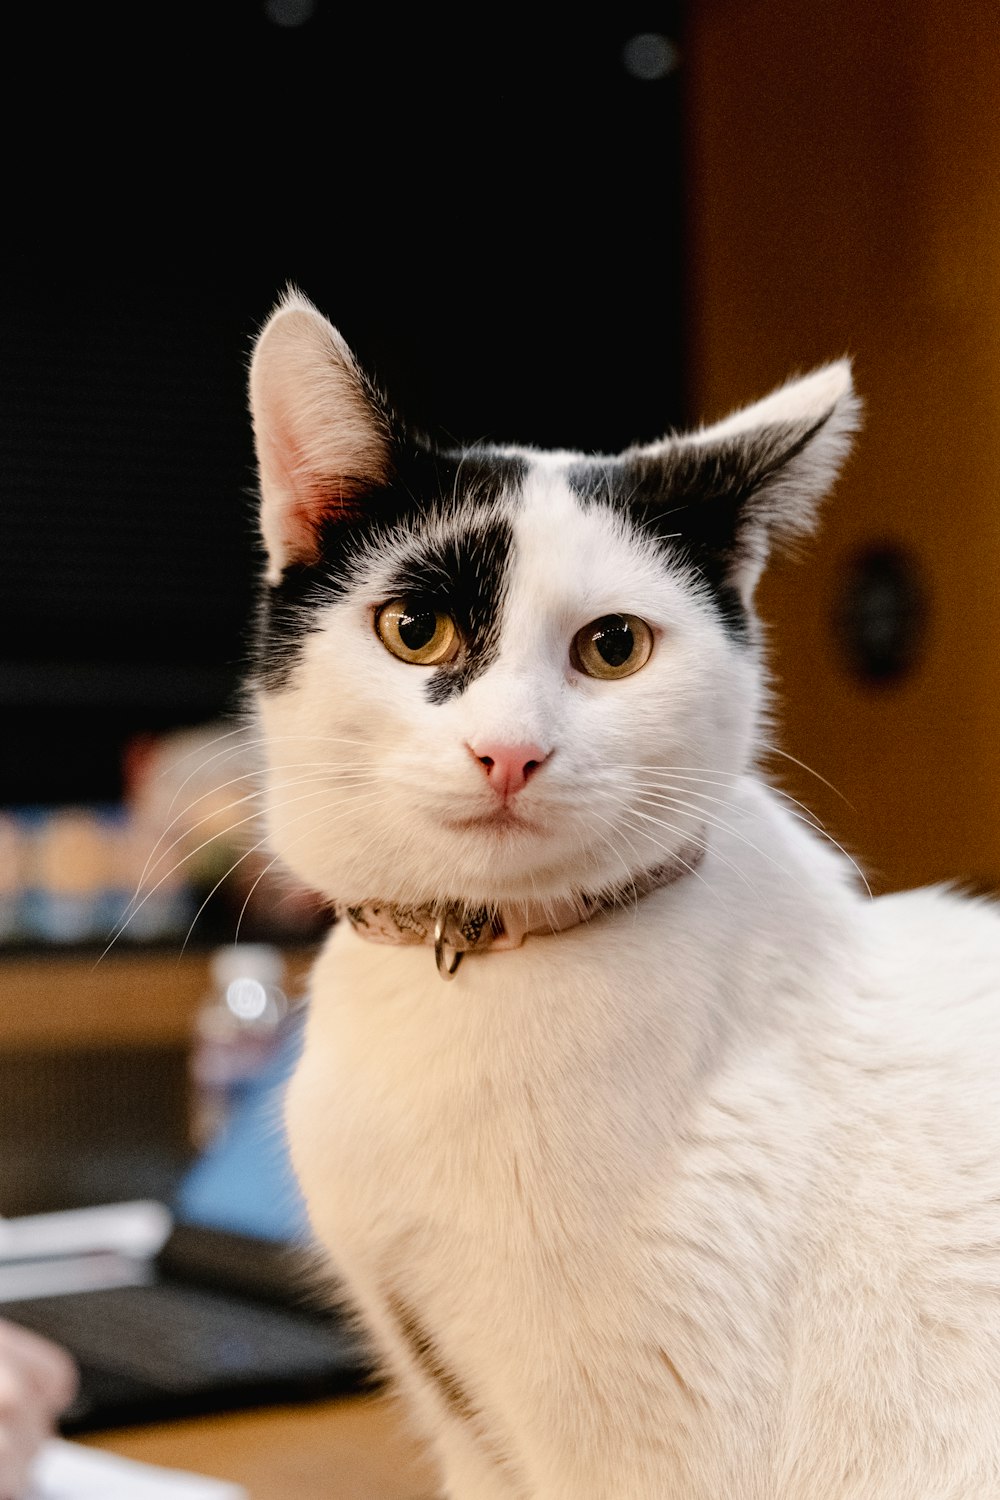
[{"x": 492, "y": 212}]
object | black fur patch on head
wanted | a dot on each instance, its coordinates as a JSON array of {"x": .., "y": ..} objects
[
  {"x": 463, "y": 573},
  {"x": 695, "y": 500},
  {"x": 459, "y": 566}
]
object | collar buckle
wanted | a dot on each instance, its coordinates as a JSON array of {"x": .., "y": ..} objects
[{"x": 446, "y": 965}]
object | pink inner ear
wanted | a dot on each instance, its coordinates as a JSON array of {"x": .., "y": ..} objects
[
  {"x": 302, "y": 482},
  {"x": 316, "y": 501},
  {"x": 322, "y": 436}
]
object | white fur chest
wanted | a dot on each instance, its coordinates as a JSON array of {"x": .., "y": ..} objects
[
  {"x": 514, "y": 1167},
  {"x": 452, "y": 1110}
]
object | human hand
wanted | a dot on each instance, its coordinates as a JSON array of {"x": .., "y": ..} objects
[{"x": 37, "y": 1381}]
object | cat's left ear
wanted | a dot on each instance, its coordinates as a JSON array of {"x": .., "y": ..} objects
[
  {"x": 764, "y": 469},
  {"x": 323, "y": 434}
]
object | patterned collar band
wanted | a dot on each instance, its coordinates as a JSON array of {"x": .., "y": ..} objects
[{"x": 453, "y": 930}]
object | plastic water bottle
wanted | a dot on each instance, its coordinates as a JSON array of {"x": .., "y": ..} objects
[{"x": 237, "y": 1029}]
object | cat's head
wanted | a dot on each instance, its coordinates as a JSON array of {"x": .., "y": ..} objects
[{"x": 499, "y": 674}]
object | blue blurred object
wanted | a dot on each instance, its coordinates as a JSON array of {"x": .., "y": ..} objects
[{"x": 243, "y": 1180}]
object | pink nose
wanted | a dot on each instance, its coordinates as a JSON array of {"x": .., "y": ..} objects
[{"x": 508, "y": 767}]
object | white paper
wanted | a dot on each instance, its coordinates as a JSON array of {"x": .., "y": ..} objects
[
  {"x": 69, "y": 1471},
  {"x": 139, "y": 1229},
  {"x": 72, "y": 1273}
]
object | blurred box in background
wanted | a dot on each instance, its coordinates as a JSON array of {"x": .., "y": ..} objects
[{"x": 180, "y": 860}]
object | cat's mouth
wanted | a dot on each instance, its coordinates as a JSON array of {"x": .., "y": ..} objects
[{"x": 501, "y": 819}]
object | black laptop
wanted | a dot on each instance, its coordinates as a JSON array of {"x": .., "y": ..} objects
[{"x": 223, "y": 1321}]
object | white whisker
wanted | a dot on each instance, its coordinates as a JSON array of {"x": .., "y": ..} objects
[
  {"x": 136, "y": 904},
  {"x": 254, "y": 848},
  {"x": 776, "y": 750},
  {"x": 676, "y": 804}
]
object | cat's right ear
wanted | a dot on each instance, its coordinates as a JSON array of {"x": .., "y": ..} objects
[{"x": 323, "y": 436}]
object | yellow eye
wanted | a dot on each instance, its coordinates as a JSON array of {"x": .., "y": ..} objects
[
  {"x": 416, "y": 633},
  {"x": 613, "y": 646}
]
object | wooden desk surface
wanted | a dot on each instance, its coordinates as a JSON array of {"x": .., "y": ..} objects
[{"x": 358, "y": 1448}]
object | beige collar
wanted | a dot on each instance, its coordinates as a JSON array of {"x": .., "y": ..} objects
[{"x": 453, "y": 930}]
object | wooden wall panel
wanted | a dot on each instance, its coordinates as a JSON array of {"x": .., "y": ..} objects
[{"x": 844, "y": 170}]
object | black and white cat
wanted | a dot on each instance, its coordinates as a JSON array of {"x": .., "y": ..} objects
[{"x": 687, "y": 1184}]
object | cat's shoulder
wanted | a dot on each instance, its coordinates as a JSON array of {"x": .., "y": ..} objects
[
  {"x": 930, "y": 913},
  {"x": 937, "y": 952}
]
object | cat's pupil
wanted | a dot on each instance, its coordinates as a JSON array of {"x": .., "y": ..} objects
[
  {"x": 614, "y": 640},
  {"x": 417, "y": 629}
]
